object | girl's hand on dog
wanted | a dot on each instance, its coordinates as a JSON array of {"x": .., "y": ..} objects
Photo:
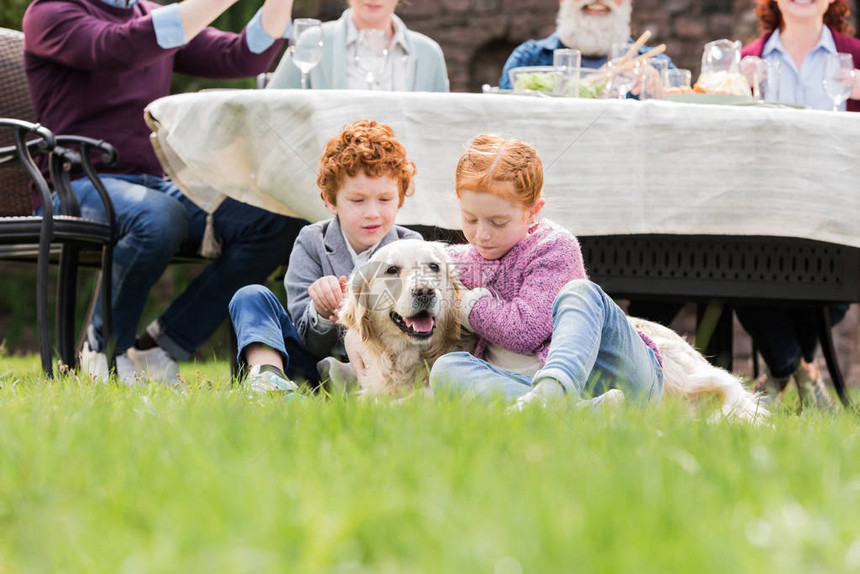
[{"x": 326, "y": 293}]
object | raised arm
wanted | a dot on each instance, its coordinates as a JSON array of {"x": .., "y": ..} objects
[
  {"x": 72, "y": 35},
  {"x": 197, "y": 15},
  {"x": 216, "y": 54}
]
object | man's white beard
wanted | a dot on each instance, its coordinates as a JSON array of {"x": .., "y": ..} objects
[{"x": 593, "y": 35}]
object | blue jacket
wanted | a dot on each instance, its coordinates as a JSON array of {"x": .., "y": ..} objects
[
  {"x": 539, "y": 53},
  {"x": 431, "y": 75}
]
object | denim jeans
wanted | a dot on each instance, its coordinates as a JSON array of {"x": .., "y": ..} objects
[
  {"x": 785, "y": 335},
  {"x": 154, "y": 221},
  {"x": 258, "y": 317},
  {"x": 593, "y": 349}
]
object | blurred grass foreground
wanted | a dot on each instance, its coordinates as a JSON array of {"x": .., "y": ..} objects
[{"x": 108, "y": 478}]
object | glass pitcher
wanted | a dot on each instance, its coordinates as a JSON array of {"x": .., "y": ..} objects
[{"x": 721, "y": 56}]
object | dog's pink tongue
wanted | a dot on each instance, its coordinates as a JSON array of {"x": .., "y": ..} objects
[{"x": 419, "y": 324}]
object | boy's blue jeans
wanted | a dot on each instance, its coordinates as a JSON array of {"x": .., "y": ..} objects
[
  {"x": 593, "y": 349},
  {"x": 258, "y": 317},
  {"x": 154, "y": 221}
]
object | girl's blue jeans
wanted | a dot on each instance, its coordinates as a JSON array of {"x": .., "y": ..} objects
[{"x": 593, "y": 349}]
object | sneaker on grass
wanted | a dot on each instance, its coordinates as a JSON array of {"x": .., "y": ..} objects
[
  {"x": 93, "y": 363},
  {"x": 154, "y": 364},
  {"x": 270, "y": 379},
  {"x": 550, "y": 394},
  {"x": 608, "y": 401},
  {"x": 811, "y": 388},
  {"x": 771, "y": 389}
]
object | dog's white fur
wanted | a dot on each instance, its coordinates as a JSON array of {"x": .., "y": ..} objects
[
  {"x": 688, "y": 374},
  {"x": 404, "y": 279},
  {"x": 398, "y": 363}
]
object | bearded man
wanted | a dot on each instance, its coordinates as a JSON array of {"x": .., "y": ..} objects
[{"x": 590, "y": 26}]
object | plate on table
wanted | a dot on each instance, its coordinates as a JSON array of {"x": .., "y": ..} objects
[
  {"x": 702, "y": 98},
  {"x": 727, "y": 100}
]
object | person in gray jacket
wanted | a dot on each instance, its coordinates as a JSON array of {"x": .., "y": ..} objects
[
  {"x": 415, "y": 63},
  {"x": 364, "y": 176}
]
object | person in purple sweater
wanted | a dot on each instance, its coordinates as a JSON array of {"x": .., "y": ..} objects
[
  {"x": 92, "y": 66},
  {"x": 546, "y": 333}
]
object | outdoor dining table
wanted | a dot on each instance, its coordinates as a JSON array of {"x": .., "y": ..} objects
[{"x": 674, "y": 201}]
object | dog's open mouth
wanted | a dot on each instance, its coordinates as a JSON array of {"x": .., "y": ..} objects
[{"x": 419, "y": 326}]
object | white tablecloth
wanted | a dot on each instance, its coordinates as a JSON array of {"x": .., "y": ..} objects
[{"x": 612, "y": 167}]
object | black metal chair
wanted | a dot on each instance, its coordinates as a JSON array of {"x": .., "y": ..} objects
[
  {"x": 25, "y": 236},
  {"x": 49, "y": 237}
]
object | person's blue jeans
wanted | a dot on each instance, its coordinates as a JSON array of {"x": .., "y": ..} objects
[
  {"x": 785, "y": 335},
  {"x": 258, "y": 317},
  {"x": 593, "y": 349},
  {"x": 154, "y": 221}
]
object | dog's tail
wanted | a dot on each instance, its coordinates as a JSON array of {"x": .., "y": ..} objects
[{"x": 687, "y": 373}]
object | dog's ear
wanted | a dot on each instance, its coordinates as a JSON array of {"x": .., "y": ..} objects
[
  {"x": 448, "y": 321},
  {"x": 453, "y": 286},
  {"x": 354, "y": 313}
]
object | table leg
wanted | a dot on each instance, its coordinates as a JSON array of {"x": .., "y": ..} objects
[
  {"x": 825, "y": 336},
  {"x": 714, "y": 333}
]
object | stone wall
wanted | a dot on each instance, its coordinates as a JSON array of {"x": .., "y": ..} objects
[{"x": 478, "y": 35}]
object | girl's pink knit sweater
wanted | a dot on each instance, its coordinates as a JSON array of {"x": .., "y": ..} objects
[{"x": 524, "y": 282}]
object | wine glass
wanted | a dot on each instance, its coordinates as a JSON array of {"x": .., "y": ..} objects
[
  {"x": 838, "y": 78},
  {"x": 306, "y": 45},
  {"x": 371, "y": 53}
]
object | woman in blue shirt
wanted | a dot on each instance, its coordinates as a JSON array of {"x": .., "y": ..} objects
[{"x": 800, "y": 36}]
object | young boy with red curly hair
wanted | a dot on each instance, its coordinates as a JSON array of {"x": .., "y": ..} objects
[{"x": 364, "y": 176}]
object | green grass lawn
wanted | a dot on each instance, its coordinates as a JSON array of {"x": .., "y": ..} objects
[{"x": 105, "y": 478}]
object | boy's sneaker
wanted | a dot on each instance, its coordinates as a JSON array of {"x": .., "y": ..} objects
[
  {"x": 268, "y": 379},
  {"x": 811, "y": 388},
  {"x": 154, "y": 364}
]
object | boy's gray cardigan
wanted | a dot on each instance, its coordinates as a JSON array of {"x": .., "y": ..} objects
[{"x": 321, "y": 250}]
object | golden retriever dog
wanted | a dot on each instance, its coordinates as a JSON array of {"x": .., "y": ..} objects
[
  {"x": 403, "y": 307},
  {"x": 688, "y": 374}
]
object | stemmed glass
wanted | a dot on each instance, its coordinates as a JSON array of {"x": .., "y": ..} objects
[
  {"x": 838, "y": 78},
  {"x": 371, "y": 54},
  {"x": 306, "y": 45}
]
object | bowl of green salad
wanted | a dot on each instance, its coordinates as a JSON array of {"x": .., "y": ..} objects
[
  {"x": 533, "y": 79},
  {"x": 546, "y": 80}
]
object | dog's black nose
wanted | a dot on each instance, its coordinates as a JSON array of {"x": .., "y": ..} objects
[
  {"x": 424, "y": 292},
  {"x": 423, "y": 297}
]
